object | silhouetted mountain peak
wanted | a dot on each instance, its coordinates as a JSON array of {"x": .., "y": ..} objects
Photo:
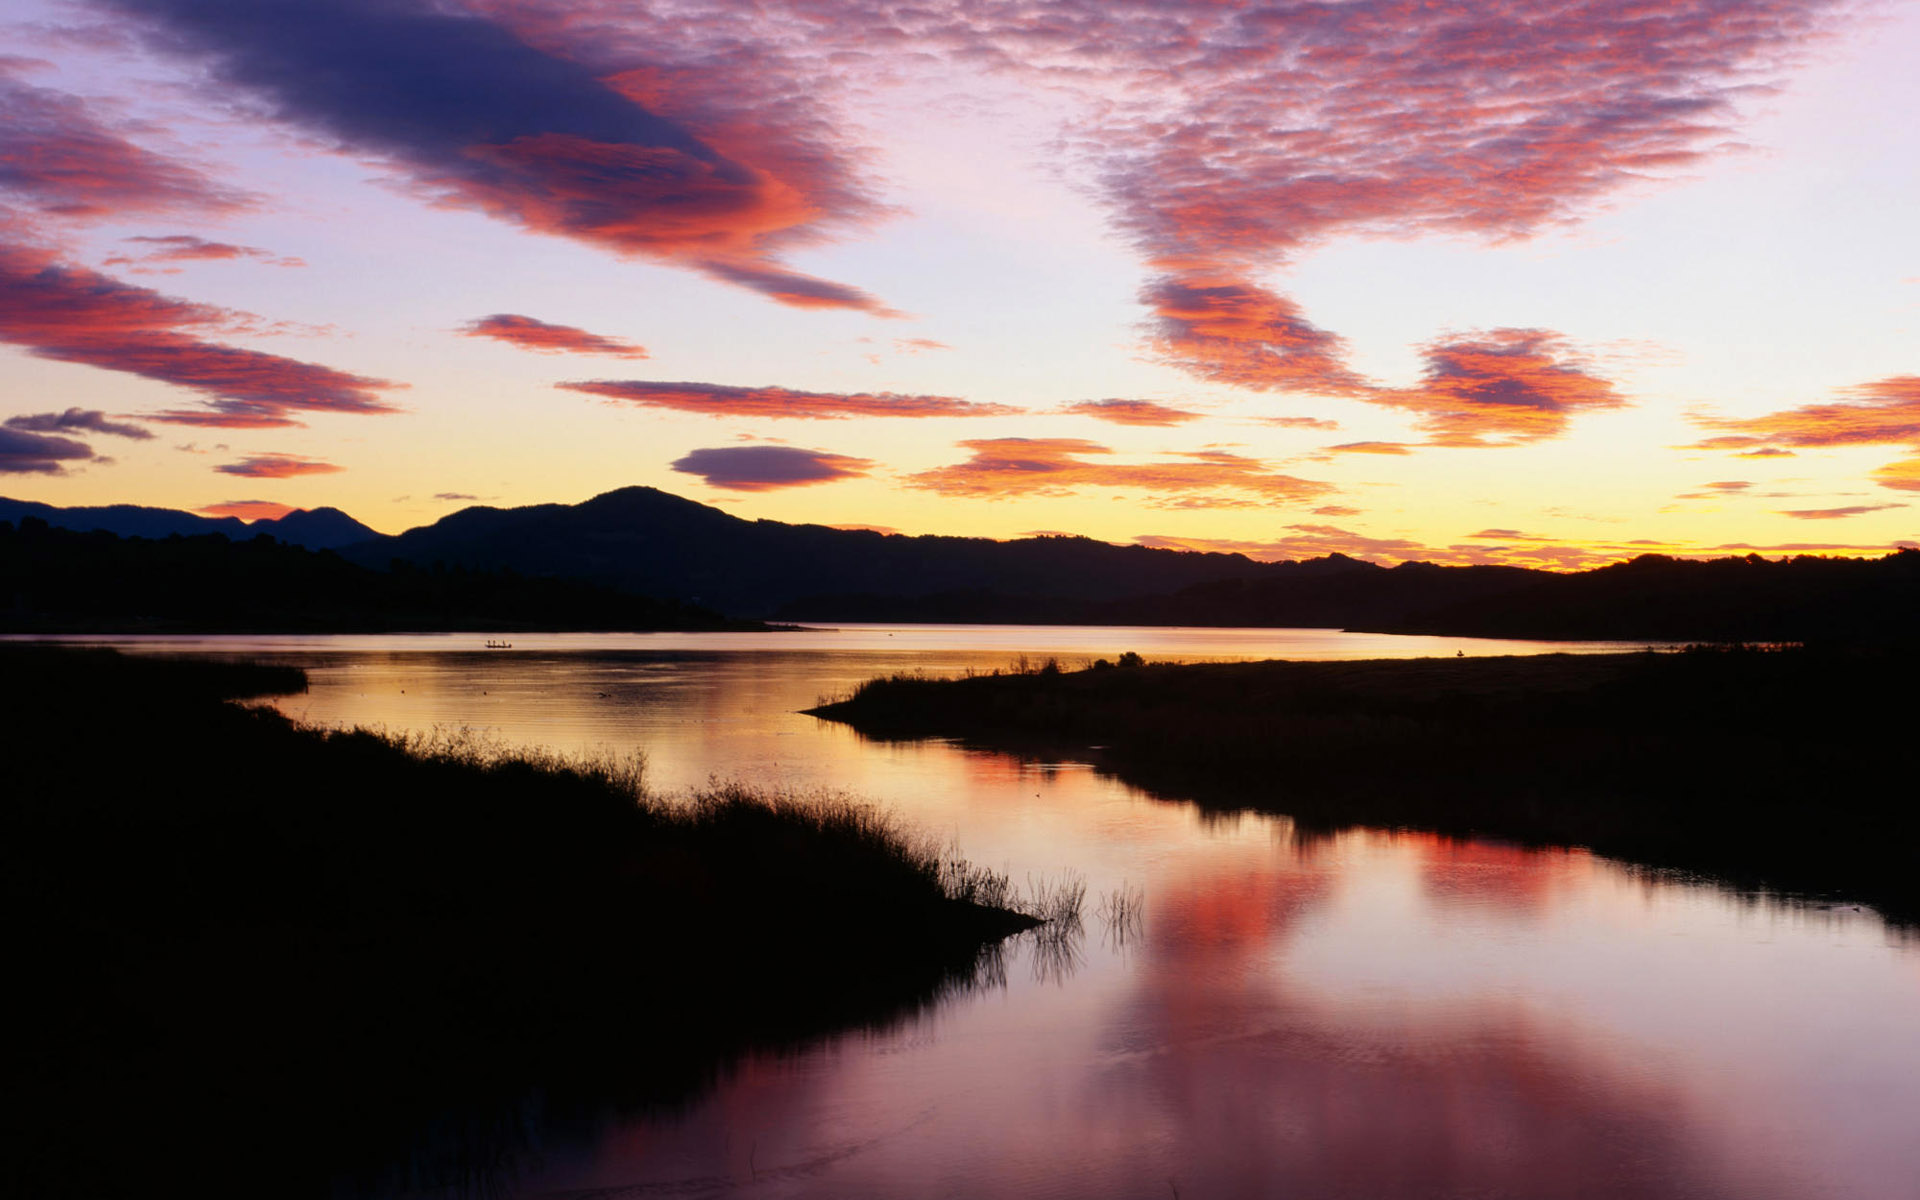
[{"x": 316, "y": 528}]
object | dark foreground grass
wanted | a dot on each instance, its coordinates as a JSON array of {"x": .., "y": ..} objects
[
  {"x": 1785, "y": 769},
  {"x": 261, "y": 959}
]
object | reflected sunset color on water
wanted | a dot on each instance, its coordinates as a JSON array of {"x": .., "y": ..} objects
[{"x": 1365, "y": 1014}]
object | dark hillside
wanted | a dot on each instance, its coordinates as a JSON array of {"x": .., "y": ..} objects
[
  {"x": 1785, "y": 769},
  {"x": 645, "y": 540},
  {"x": 56, "y": 580}
]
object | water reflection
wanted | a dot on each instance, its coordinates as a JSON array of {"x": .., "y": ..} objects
[{"x": 1355, "y": 1014}]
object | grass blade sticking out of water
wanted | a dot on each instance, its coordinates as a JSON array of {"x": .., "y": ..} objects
[{"x": 1122, "y": 915}]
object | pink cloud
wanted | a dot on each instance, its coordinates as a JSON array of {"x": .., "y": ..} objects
[
  {"x": 917, "y": 345},
  {"x": 1260, "y": 131},
  {"x": 530, "y": 334},
  {"x": 62, "y": 160},
  {"x": 277, "y": 466},
  {"x": 1230, "y": 331},
  {"x": 71, "y": 314},
  {"x": 1501, "y": 387},
  {"x": 183, "y": 247},
  {"x": 722, "y": 400},
  {"x": 682, "y": 137}
]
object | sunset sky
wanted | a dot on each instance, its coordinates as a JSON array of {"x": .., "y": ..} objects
[{"x": 1549, "y": 283}]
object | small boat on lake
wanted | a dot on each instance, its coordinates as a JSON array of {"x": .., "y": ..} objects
[{"x": 493, "y": 645}]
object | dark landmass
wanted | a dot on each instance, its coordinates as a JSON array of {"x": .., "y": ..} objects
[
  {"x": 1784, "y": 769},
  {"x": 273, "y": 961},
  {"x": 1807, "y": 598},
  {"x": 648, "y": 541},
  {"x": 644, "y": 542},
  {"x": 59, "y": 581},
  {"x": 316, "y": 529}
]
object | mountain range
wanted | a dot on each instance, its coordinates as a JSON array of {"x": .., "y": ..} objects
[
  {"x": 316, "y": 529},
  {"x": 643, "y": 542}
]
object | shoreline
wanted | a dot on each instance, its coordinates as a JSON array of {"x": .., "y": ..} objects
[
  {"x": 1764, "y": 769},
  {"x": 328, "y": 944}
]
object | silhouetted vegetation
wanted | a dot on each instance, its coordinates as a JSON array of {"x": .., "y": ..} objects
[
  {"x": 1784, "y": 768},
  {"x": 250, "y": 951},
  {"x": 1806, "y": 598},
  {"x": 56, "y": 580}
]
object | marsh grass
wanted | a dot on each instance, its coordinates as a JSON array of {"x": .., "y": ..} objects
[
  {"x": 319, "y": 941},
  {"x": 1767, "y": 766},
  {"x": 1122, "y": 915}
]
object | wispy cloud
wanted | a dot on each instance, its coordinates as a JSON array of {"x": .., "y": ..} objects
[
  {"x": 78, "y": 420},
  {"x": 1386, "y": 448},
  {"x": 1885, "y": 412},
  {"x": 1059, "y": 466},
  {"x": 530, "y": 334},
  {"x": 768, "y": 468},
  {"x": 75, "y": 315},
  {"x": 1904, "y": 475},
  {"x": 248, "y": 510},
  {"x": 59, "y": 158},
  {"x": 723, "y": 400},
  {"x": 184, "y": 247},
  {"x": 1132, "y": 412},
  {"x": 1316, "y": 540},
  {"x": 277, "y": 466},
  {"x": 917, "y": 345},
  {"x": 1831, "y": 514}
]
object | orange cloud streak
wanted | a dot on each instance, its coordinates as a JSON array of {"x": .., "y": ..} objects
[
  {"x": 249, "y": 510},
  {"x": 1132, "y": 412},
  {"x": 1058, "y": 466},
  {"x": 530, "y": 334},
  {"x": 277, "y": 466},
  {"x": 1885, "y": 412}
]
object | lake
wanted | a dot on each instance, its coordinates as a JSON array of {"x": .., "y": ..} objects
[{"x": 1374, "y": 1014}]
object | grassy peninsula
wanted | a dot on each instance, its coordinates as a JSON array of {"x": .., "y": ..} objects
[
  {"x": 284, "y": 957},
  {"x": 1783, "y": 768}
]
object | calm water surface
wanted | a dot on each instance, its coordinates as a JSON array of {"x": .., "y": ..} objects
[{"x": 1372, "y": 1015}]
